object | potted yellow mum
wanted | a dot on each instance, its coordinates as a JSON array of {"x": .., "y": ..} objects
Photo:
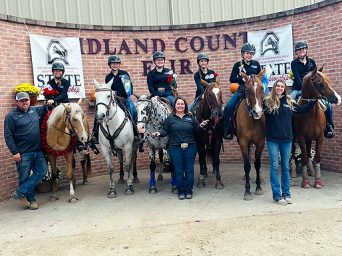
[{"x": 32, "y": 90}]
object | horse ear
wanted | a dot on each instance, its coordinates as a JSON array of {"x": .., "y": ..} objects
[
  {"x": 321, "y": 68},
  {"x": 204, "y": 83},
  {"x": 109, "y": 84},
  {"x": 313, "y": 73},
  {"x": 217, "y": 83},
  {"x": 261, "y": 73},
  {"x": 245, "y": 77},
  {"x": 95, "y": 83},
  {"x": 67, "y": 107},
  {"x": 79, "y": 102}
]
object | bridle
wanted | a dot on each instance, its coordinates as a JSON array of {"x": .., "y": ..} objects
[
  {"x": 110, "y": 103},
  {"x": 250, "y": 110},
  {"x": 319, "y": 95}
]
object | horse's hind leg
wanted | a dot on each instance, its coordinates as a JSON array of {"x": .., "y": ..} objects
[
  {"x": 52, "y": 160},
  {"x": 71, "y": 177},
  {"x": 134, "y": 162},
  {"x": 203, "y": 165},
  {"x": 247, "y": 169},
  {"x": 305, "y": 181},
  {"x": 160, "y": 164},
  {"x": 318, "y": 181},
  {"x": 121, "y": 172},
  {"x": 215, "y": 156},
  {"x": 257, "y": 166},
  {"x": 311, "y": 170},
  {"x": 86, "y": 166}
]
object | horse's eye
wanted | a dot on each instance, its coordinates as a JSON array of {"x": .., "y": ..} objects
[{"x": 74, "y": 119}]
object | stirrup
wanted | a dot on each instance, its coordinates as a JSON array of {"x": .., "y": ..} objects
[
  {"x": 228, "y": 135},
  {"x": 329, "y": 132}
]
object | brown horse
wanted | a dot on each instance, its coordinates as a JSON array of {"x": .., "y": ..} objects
[
  {"x": 250, "y": 128},
  {"x": 310, "y": 127},
  {"x": 65, "y": 126},
  {"x": 210, "y": 139}
]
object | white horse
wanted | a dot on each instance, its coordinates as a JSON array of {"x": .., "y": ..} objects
[
  {"x": 151, "y": 116},
  {"x": 116, "y": 133}
]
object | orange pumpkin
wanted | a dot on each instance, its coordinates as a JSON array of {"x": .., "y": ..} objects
[
  {"x": 233, "y": 87},
  {"x": 92, "y": 97}
]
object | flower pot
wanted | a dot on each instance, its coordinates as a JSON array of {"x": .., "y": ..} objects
[
  {"x": 45, "y": 186},
  {"x": 33, "y": 100}
]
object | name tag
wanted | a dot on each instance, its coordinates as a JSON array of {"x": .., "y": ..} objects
[{"x": 184, "y": 145}]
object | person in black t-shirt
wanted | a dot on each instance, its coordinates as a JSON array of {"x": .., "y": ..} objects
[
  {"x": 203, "y": 73},
  {"x": 300, "y": 67},
  {"x": 248, "y": 66}
]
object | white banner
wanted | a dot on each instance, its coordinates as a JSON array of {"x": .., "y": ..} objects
[
  {"x": 47, "y": 50},
  {"x": 274, "y": 48}
]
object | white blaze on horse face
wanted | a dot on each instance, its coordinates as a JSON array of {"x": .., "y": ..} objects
[
  {"x": 216, "y": 92},
  {"x": 257, "y": 107},
  {"x": 338, "y": 98}
]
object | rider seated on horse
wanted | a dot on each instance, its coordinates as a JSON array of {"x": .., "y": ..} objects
[
  {"x": 203, "y": 73},
  {"x": 157, "y": 79},
  {"x": 124, "y": 89},
  {"x": 300, "y": 67},
  {"x": 248, "y": 66}
]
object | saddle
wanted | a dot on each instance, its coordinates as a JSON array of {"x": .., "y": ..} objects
[{"x": 165, "y": 102}]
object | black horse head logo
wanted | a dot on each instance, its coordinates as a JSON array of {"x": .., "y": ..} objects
[
  {"x": 56, "y": 52},
  {"x": 270, "y": 42}
]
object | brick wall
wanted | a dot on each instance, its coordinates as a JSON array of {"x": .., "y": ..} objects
[{"x": 320, "y": 27}]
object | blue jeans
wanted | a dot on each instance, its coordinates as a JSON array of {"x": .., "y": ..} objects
[
  {"x": 229, "y": 108},
  {"x": 183, "y": 160},
  {"x": 131, "y": 108},
  {"x": 172, "y": 99},
  {"x": 294, "y": 94},
  {"x": 36, "y": 162},
  {"x": 284, "y": 148}
]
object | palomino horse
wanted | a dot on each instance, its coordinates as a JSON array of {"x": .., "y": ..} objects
[
  {"x": 152, "y": 113},
  {"x": 116, "y": 133},
  {"x": 210, "y": 138},
  {"x": 310, "y": 127},
  {"x": 250, "y": 129},
  {"x": 60, "y": 132}
]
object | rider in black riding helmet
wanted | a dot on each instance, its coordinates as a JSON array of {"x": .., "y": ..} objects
[
  {"x": 157, "y": 78},
  {"x": 248, "y": 66},
  {"x": 123, "y": 87},
  {"x": 301, "y": 66},
  {"x": 203, "y": 73},
  {"x": 56, "y": 90}
]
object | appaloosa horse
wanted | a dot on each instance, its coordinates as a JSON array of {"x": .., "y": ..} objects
[
  {"x": 152, "y": 113},
  {"x": 250, "y": 129},
  {"x": 209, "y": 139},
  {"x": 61, "y": 130},
  {"x": 310, "y": 126},
  {"x": 116, "y": 133}
]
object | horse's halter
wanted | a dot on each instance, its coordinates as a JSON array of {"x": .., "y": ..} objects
[
  {"x": 67, "y": 121},
  {"x": 251, "y": 111},
  {"x": 110, "y": 103}
]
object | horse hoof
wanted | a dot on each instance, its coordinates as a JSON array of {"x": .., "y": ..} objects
[
  {"x": 219, "y": 185},
  {"x": 153, "y": 190},
  {"x": 318, "y": 184},
  {"x": 53, "y": 198},
  {"x": 201, "y": 183},
  {"x": 174, "y": 190},
  {"x": 121, "y": 181},
  {"x": 306, "y": 184},
  {"x": 259, "y": 192},
  {"x": 136, "y": 180},
  {"x": 111, "y": 193},
  {"x": 73, "y": 199},
  {"x": 129, "y": 191},
  {"x": 248, "y": 197},
  {"x": 160, "y": 177}
]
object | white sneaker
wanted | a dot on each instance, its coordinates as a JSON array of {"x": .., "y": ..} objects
[
  {"x": 281, "y": 201},
  {"x": 288, "y": 200}
]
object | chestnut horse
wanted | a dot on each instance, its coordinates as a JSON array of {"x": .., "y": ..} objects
[
  {"x": 250, "y": 129},
  {"x": 210, "y": 139},
  {"x": 61, "y": 131},
  {"x": 310, "y": 127}
]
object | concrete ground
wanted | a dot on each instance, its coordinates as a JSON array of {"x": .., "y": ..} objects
[{"x": 214, "y": 222}]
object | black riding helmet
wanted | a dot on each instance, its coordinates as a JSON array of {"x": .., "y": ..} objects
[
  {"x": 158, "y": 54},
  {"x": 247, "y": 47},
  {"x": 202, "y": 56},
  {"x": 58, "y": 66},
  {"x": 114, "y": 59},
  {"x": 301, "y": 45}
]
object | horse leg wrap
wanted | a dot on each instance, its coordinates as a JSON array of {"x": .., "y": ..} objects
[
  {"x": 318, "y": 171},
  {"x": 305, "y": 172}
]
